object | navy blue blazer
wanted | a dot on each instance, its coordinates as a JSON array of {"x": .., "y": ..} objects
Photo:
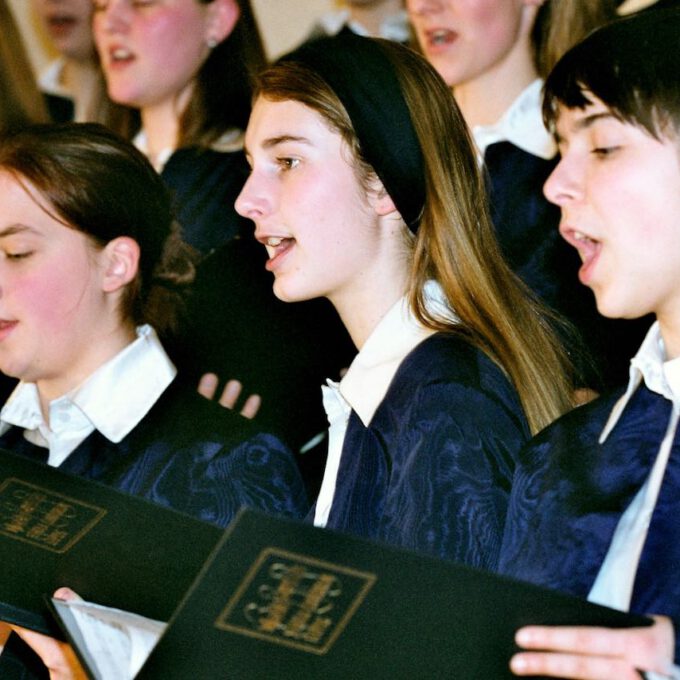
[
  {"x": 569, "y": 493},
  {"x": 187, "y": 454},
  {"x": 527, "y": 227},
  {"x": 190, "y": 455},
  {"x": 204, "y": 184},
  {"x": 432, "y": 470}
]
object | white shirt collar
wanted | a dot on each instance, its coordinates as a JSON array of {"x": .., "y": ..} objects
[
  {"x": 370, "y": 374},
  {"x": 229, "y": 142},
  {"x": 113, "y": 400},
  {"x": 521, "y": 125},
  {"x": 50, "y": 79},
  {"x": 394, "y": 27},
  {"x": 649, "y": 364}
]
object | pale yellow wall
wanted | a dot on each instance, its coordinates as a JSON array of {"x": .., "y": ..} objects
[{"x": 284, "y": 23}]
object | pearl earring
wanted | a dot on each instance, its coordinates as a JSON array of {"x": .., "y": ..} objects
[{"x": 211, "y": 43}]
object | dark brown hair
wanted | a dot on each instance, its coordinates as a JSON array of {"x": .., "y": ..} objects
[{"x": 99, "y": 184}]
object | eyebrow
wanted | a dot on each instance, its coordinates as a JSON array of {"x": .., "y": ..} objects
[
  {"x": 271, "y": 142},
  {"x": 586, "y": 122},
  {"x": 13, "y": 229}
]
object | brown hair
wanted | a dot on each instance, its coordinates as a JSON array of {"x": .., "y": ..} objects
[
  {"x": 455, "y": 243},
  {"x": 562, "y": 23},
  {"x": 20, "y": 100},
  {"x": 100, "y": 185}
]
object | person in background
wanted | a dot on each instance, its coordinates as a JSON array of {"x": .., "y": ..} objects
[
  {"x": 92, "y": 271},
  {"x": 186, "y": 66},
  {"x": 596, "y": 496},
  {"x": 20, "y": 100},
  {"x": 494, "y": 55},
  {"x": 376, "y": 18},
  {"x": 72, "y": 81},
  {"x": 365, "y": 190}
]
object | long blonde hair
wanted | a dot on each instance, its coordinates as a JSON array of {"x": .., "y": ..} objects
[
  {"x": 560, "y": 24},
  {"x": 455, "y": 243}
]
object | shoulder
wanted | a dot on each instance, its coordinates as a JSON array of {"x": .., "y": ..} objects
[{"x": 447, "y": 362}]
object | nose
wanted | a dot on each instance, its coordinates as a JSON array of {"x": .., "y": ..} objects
[
  {"x": 563, "y": 184},
  {"x": 424, "y": 7},
  {"x": 254, "y": 201},
  {"x": 111, "y": 16}
]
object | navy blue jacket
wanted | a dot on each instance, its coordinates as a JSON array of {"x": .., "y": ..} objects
[
  {"x": 569, "y": 493},
  {"x": 187, "y": 454},
  {"x": 432, "y": 470}
]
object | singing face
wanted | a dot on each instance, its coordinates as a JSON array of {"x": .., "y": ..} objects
[
  {"x": 69, "y": 25},
  {"x": 151, "y": 50},
  {"x": 619, "y": 192},
  {"x": 466, "y": 39},
  {"x": 53, "y": 312},
  {"x": 309, "y": 207}
]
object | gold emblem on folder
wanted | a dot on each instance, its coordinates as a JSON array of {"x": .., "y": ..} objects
[
  {"x": 295, "y": 600},
  {"x": 44, "y": 518}
]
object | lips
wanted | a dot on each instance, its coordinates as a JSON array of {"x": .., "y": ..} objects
[
  {"x": 6, "y": 327},
  {"x": 60, "y": 24},
  {"x": 277, "y": 248},
  {"x": 439, "y": 39},
  {"x": 588, "y": 249}
]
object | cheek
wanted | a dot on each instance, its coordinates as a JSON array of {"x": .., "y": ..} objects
[
  {"x": 52, "y": 302},
  {"x": 175, "y": 44}
]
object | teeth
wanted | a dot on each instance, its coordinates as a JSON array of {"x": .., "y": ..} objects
[
  {"x": 439, "y": 36},
  {"x": 274, "y": 241},
  {"x": 121, "y": 53}
]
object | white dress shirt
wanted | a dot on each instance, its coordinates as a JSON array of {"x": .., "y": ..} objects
[
  {"x": 367, "y": 380},
  {"x": 613, "y": 586},
  {"x": 112, "y": 400},
  {"x": 521, "y": 125},
  {"x": 394, "y": 27}
]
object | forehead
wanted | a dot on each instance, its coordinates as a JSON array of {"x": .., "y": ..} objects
[{"x": 273, "y": 122}]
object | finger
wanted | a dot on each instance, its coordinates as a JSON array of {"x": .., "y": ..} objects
[
  {"x": 577, "y": 667},
  {"x": 58, "y": 657},
  {"x": 66, "y": 594},
  {"x": 207, "y": 385},
  {"x": 252, "y": 406},
  {"x": 580, "y": 639},
  {"x": 230, "y": 394}
]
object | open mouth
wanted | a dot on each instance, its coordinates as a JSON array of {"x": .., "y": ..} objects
[
  {"x": 440, "y": 37},
  {"x": 120, "y": 55},
  {"x": 277, "y": 247},
  {"x": 588, "y": 250},
  {"x": 61, "y": 23}
]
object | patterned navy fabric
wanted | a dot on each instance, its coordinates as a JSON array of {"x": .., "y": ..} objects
[
  {"x": 527, "y": 227},
  {"x": 569, "y": 493},
  {"x": 432, "y": 470},
  {"x": 187, "y": 454},
  {"x": 205, "y": 184},
  {"x": 191, "y": 455}
]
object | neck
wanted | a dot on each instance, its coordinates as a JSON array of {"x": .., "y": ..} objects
[
  {"x": 484, "y": 100},
  {"x": 670, "y": 332},
  {"x": 372, "y": 16},
  {"x": 108, "y": 344},
  {"x": 160, "y": 122},
  {"x": 365, "y": 301},
  {"x": 81, "y": 79}
]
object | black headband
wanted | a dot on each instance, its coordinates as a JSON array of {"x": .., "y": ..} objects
[{"x": 361, "y": 74}]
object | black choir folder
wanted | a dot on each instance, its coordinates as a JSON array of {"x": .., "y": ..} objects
[
  {"x": 60, "y": 530},
  {"x": 282, "y": 599}
]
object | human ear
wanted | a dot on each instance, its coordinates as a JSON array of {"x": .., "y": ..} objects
[
  {"x": 382, "y": 201},
  {"x": 222, "y": 17},
  {"x": 120, "y": 263}
]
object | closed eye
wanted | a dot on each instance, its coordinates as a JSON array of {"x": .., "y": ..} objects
[{"x": 604, "y": 151}]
